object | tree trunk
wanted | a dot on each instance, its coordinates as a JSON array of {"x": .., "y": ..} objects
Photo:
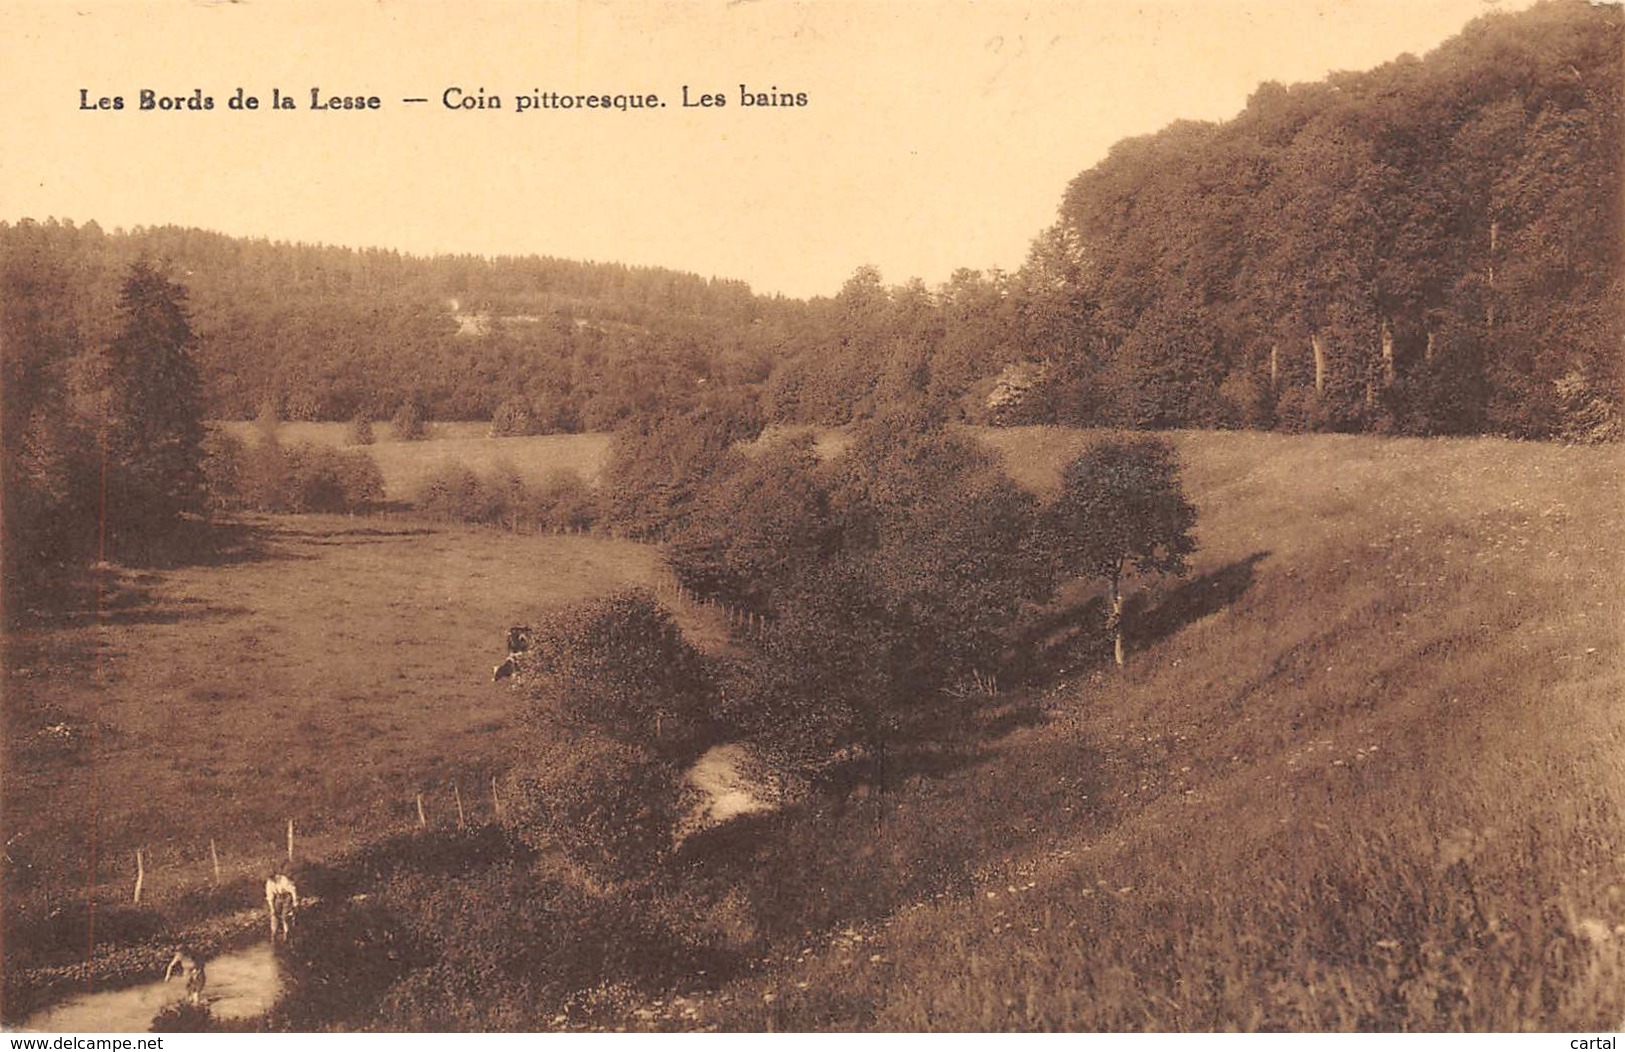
[
  {"x": 1115, "y": 622},
  {"x": 1388, "y": 372},
  {"x": 1495, "y": 230},
  {"x": 1318, "y": 343}
]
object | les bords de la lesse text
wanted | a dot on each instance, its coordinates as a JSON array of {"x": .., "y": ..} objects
[{"x": 452, "y": 98}]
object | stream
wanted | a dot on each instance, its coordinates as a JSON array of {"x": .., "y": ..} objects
[{"x": 241, "y": 984}]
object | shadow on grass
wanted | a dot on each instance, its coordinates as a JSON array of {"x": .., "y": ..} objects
[
  {"x": 1189, "y": 602},
  {"x": 355, "y": 535},
  {"x": 212, "y": 542},
  {"x": 440, "y": 853},
  {"x": 109, "y": 599},
  {"x": 829, "y": 862},
  {"x": 124, "y": 593},
  {"x": 1073, "y": 637}
]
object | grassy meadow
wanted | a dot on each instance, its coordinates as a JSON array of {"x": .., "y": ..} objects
[
  {"x": 405, "y": 465},
  {"x": 1365, "y": 768},
  {"x": 322, "y": 668}
]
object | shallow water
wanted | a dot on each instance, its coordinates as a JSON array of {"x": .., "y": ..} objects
[
  {"x": 241, "y": 984},
  {"x": 725, "y": 790}
]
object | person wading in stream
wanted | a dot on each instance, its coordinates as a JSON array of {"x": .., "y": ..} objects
[
  {"x": 191, "y": 967},
  {"x": 281, "y": 899}
]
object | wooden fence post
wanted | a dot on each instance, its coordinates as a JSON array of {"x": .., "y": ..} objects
[
  {"x": 423, "y": 823},
  {"x": 496, "y": 800},
  {"x": 290, "y": 841},
  {"x": 458, "y": 794},
  {"x": 215, "y": 855},
  {"x": 140, "y": 875}
]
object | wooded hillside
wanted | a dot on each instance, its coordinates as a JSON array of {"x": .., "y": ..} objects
[
  {"x": 1429, "y": 247},
  {"x": 323, "y": 333}
]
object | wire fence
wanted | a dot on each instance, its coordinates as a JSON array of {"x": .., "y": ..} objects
[{"x": 171, "y": 870}]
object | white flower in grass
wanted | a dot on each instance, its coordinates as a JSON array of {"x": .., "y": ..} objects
[{"x": 1593, "y": 930}]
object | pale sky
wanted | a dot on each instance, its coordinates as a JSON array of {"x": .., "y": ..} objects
[{"x": 936, "y": 135}]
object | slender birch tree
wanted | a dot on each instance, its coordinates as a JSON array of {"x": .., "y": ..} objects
[{"x": 1121, "y": 506}]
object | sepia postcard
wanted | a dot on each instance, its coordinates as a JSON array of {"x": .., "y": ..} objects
[{"x": 845, "y": 515}]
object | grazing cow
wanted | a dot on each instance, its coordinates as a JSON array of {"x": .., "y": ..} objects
[
  {"x": 191, "y": 966},
  {"x": 281, "y": 898},
  {"x": 518, "y": 642}
]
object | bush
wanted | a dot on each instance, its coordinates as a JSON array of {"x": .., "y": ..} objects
[
  {"x": 52, "y": 485},
  {"x": 453, "y": 492},
  {"x": 1245, "y": 400},
  {"x": 564, "y": 501},
  {"x": 262, "y": 477},
  {"x": 893, "y": 571},
  {"x": 182, "y": 1018},
  {"x": 822, "y": 678},
  {"x": 657, "y": 466},
  {"x": 321, "y": 478},
  {"x": 338, "y": 968},
  {"x": 486, "y": 940},
  {"x": 409, "y": 425},
  {"x": 1587, "y": 413},
  {"x": 513, "y": 418},
  {"x": 756, "y": 528},
  {"x": 1296, "y": 410},
  {"x": 611, "y": 805},
  {"x": 508, "y": 946},
  {"x": 946, "y": 540},
  {"x": 224, "y": 456},
  {"x": 359, "y": 432},
  {"x": 619, "y": 703},
  {"x": 302, "y": 478},
  {"x": 620, "y": 664}
]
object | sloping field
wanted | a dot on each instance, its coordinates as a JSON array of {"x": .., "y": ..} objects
[
  {"x": 326, "y": 670},
  {"x": 405, "y": 465},
  {"x": 1365, "y": 769}
]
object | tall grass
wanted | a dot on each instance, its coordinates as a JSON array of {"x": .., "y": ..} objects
[
  {"x": 1379, "y": 790},
  {"x": 328, "y": 671},
  {"x": 1362, "y": 771}
]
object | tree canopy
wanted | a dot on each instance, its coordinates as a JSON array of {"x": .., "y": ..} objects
[{"x": 1429, "y": 247}]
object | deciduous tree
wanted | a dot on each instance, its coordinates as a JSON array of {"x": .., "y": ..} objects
[{"x": 1121, "y": 506}]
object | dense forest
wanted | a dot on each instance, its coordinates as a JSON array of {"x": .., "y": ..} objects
[
  {"x": 320, "y": 333},
  {"x": 1429, "y": 247}
]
